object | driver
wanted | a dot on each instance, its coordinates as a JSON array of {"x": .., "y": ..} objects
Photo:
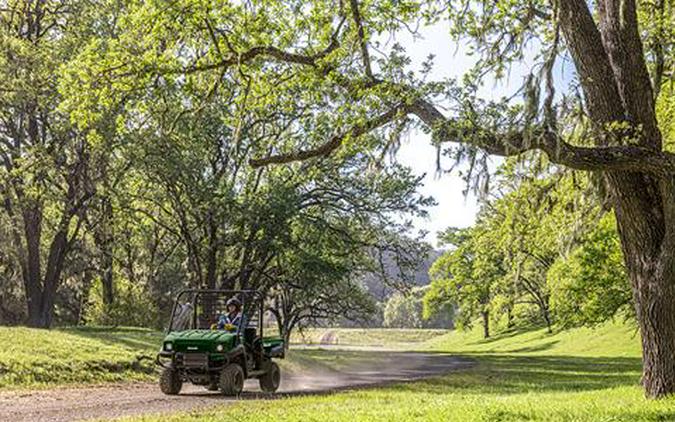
[{"x": 232, "y": 319}]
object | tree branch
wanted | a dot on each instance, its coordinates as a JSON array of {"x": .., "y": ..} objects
[
  {"x": 334, "y": 143},
  {"x": 267, "y": 51},
  {"x": 623, "y": 158},
  {"x": 365, "y": 56},
  {"x": 592, "y": 61}
]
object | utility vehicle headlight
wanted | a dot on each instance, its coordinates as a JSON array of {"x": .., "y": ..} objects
[
  {"x": 219, "y": 348},
  {"x": 168, "y": 346}
]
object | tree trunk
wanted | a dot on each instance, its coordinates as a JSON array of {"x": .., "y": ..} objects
[
  {"x": 547, "y": 319},
  {"x": 485, "y": 315},
  {"x": 86, "y": 287},
  {"x": 646, "y": 234},
  {"x": 31, "y": 272},
  {"x": 613, "y": 74},
  {"x": 41, "y": 289},
  {"x": 654, "y": 301},
  {"x": 105, "y": 240},
  {"x": 212, "y": 252},
  {"x": 286, "y": 336},
  {"x": 57, "y": 255}
]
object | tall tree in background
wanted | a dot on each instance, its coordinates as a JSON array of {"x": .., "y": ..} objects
[
  {"x": 538, "y": 219},
  {"x": 535, "y": 224},
  {"x": 49, "y": 165},
  {"x": 466, "y": 276}
]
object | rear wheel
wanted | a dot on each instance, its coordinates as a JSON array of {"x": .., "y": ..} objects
[
  {"x": 231, "y": 381},
  {"x": 170, "y": 382},
  {"x": 269, "y": 382}
]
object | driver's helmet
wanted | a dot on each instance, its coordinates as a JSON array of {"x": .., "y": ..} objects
[{"x": 234, "y": 301}]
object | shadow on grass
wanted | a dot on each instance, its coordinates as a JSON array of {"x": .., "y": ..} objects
[
  {"x": 539, "y": 348},
  {"x": 514, "y": 332},
  {"x": 141, "y": 340}
]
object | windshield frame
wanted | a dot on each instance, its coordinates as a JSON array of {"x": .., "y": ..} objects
[{"x": 257, "y": 297}]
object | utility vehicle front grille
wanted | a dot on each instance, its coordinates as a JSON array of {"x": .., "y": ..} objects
[{"x": 195, "y": 360}]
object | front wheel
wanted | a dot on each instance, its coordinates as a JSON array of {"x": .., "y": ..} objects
[
  {"x": 170, "y": 382},
  {"x": 269, "y": 382},
  {"x": 231, "y": 381}
]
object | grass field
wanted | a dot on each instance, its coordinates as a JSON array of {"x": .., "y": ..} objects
[{"x": 576, "y": 375}]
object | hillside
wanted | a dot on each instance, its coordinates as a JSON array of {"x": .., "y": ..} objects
[
  {"x": 419, "y": 276},
  {"x": 613, "y": 339},
  {"x": 40, "y": 358}
]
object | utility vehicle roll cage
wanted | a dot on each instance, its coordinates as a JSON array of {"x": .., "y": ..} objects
[{"x": 242, "y": 295}]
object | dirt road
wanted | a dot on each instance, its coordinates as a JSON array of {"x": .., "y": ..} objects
[{"x": 112, "y": 401}]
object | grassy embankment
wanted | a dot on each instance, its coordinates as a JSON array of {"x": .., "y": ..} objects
[
  {"x": 40, "y": 358},
  {"x": 577, "y": 375},
  {"x": 32, "y": 358}
]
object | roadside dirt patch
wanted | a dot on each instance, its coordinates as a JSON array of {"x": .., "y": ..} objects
[{"x": 113, "y": 401}]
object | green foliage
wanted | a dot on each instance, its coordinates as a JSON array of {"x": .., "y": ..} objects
[
  {"x": 157, "y": 159},
  {"x": 542, "y": 252},
  {"x": 133, "y": 306},
  {"x": 465, "y": 277},
  {"x": 158, "y": 109},
  {"x": 665, "y": 113},
  {"x": 590, "y": 286},
  {"x": 405, "y": 310}
]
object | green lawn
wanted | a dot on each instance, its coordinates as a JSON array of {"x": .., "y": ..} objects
[
  {"x": 577, "y": 375},
  {"x": 609, "y": 340},
  {"x": 41, "y": 358}
]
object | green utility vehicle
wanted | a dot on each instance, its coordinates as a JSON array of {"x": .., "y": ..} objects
[{"x": 200, "y": 350}]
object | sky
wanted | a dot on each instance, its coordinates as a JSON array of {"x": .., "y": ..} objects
[{"x": 454, "y": 209}]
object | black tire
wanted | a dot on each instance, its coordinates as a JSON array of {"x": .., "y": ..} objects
[
  {"x": 231, "y": 381},
  {"x": 269, "y": 382},
  {"x": 170, "y": 382}
]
